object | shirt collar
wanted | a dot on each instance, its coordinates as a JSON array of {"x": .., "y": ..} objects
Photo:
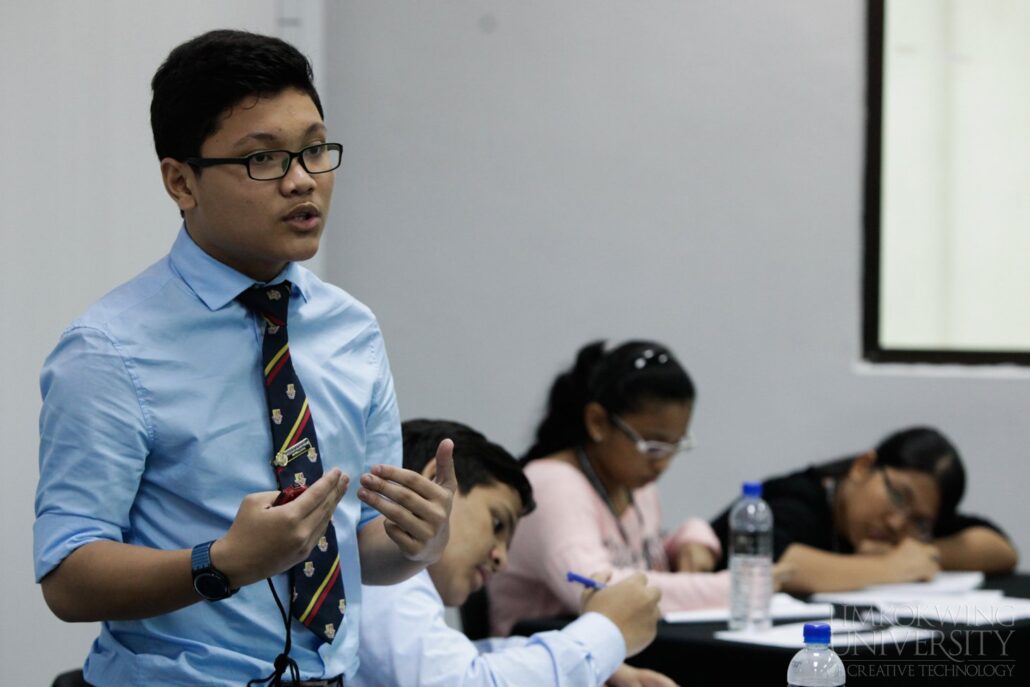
[{"x": 214, "y": 282}]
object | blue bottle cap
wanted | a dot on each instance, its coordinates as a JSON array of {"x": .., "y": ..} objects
[
  {"x": 753, "y": 489},
  {"x": 817, "y": 633}
]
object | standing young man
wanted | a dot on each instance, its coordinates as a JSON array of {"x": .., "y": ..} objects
[
  {"x": 186, "y": 403},
  {"x": 404, "y": 638}
]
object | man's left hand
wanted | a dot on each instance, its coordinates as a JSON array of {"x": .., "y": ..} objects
[{"x": 417, "y": 509}]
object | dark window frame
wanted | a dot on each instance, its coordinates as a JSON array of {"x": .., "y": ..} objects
[{"x": 872, "y": 350}]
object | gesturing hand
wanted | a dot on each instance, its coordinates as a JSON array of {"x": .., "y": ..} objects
[{"x": 417, "y": 509}]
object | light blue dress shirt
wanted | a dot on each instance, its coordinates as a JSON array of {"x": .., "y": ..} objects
[
  {"x": 153, "y": 429},
  {"x": 405, "y": 641}
]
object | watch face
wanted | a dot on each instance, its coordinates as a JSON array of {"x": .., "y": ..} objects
[{"x": 211, "y": 585}]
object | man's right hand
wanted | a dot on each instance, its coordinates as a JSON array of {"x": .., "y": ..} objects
[
  {"x": 631, "y": 605},
  {"x": 264, "y": 540}
]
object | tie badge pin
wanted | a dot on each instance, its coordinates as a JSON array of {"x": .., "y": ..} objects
[
  {"x": 312, "y": 453},
  {"x": 309, "y": 569},
  {"x": 300, "y": 480},
  {"x": 343, "y": 606},
  {"x": 272, "y": 328},
  {"x": 323, "y": 545},
  {"x": 277, "y": 416},
  {"x": 291, "y": 391},
  {"x": 284, "y": 458},
  {"x": 273, "y": 294},
  {"x": 330, "y": 631}
]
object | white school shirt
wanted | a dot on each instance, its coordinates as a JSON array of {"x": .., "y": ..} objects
[{"x": 405, "y": 641}]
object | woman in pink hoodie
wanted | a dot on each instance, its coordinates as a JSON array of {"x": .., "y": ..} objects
[{"x": 614, "y": 423}]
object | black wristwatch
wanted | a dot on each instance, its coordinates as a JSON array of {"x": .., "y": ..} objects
[{"x": 210, "y": 582}]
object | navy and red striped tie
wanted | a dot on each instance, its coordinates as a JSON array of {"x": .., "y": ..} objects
[{"x": 318, "y": 602}]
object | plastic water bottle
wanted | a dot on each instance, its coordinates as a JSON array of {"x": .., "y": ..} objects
[
  {"x": 817, "y": 665},
  {"x": 751, "y": 524}
]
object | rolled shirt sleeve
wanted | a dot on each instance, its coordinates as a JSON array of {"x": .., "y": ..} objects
[
  {"x": 383, "y": 423},
  {"x": 94, "y": 441}
]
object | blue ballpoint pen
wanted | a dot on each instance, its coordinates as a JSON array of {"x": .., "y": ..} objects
[{"x": 585, "y": 581}]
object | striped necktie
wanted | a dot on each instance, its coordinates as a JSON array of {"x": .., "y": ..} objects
[{"x": 318, "y": 600}]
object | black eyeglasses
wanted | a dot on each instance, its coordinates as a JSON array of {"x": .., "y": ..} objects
[
  {"x": 267, "y": 165},
  {"x": 921, "y": 525}
]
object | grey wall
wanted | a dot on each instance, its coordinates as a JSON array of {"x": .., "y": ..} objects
[{"x": 520, "y": 178}]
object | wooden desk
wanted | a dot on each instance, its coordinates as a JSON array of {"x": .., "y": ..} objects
[{"x": 984, "y": 655}]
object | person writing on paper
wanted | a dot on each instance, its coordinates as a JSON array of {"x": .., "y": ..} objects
[
  {"x": 886, "y": 516},
  {"x": 615, "y": 422},
  {"x": 404, "y": 639}
]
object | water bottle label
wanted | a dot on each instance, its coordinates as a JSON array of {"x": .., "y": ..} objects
[{"x": 748, "y": 544}]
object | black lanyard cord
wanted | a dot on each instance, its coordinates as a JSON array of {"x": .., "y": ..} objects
[
  {"x": 283, "y": 662},
  {"x": 595, "y": 482}
]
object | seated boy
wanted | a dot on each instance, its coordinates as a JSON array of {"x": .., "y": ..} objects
[{"x": 404, "y": 639}]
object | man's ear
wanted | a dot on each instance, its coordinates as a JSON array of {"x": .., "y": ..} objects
[
  {"x": 595, "y": 420},
  {"x": 179, "y": 179}
]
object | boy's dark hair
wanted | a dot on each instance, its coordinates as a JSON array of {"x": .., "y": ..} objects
[
  {"x": 621, "y": 380},
  {"x": 477, "y": 460},
  {"x": 205, "y": 76}
]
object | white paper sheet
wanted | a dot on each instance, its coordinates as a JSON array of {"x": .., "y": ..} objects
[
  {"x": 943, "y": 584},
  {"x": 782, "y": 607},
  {"x": 950, "y": 597}
]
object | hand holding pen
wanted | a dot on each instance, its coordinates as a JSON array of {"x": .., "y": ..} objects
[
  {"x": 587, "y": 582},
  {"x": 630, "y": 604}
]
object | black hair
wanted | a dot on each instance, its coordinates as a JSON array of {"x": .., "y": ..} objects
[
  {"x": 205, "y": 76},
  {"x": 477, "y": 460},
  {"x": 621, "y": 380},
  {"x": 923, "y": 449},
  {"x": 927, "y": 450}
]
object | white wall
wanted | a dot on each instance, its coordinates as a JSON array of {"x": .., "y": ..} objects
[{"x": 518, "y": 178}]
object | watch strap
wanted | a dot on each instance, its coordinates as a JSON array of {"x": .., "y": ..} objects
[
  {"x": 204, "y": 572},
  {"x": 201, "y": 556}
]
